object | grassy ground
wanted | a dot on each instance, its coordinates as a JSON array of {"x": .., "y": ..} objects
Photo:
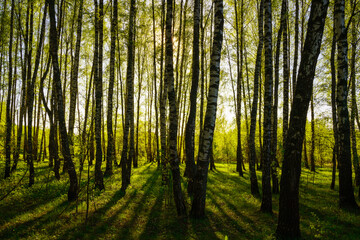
[{"x": 42, "y": 211}]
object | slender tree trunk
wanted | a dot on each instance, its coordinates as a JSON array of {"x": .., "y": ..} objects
[
  {"x": 266, "y": 204},
  {"x": 178, "y": 46},
  {"x": 296, "y": 45},
  {"x": 190, "y": 125},
  {"x": 260, "y": 159},
  {"x": 125, "y": 159},
  {"x": 140, "y": 79},
  {"x": 286, "y": 65},
  {"x": 169, "y": 78},
  {"x": 74, "y": 77},
  {"x": 202, "y": 70},
  {"x": 150, "y": 155},
  {"x": 8, "y": 112},
  {"x": 162, "y": 100},
  {"x": 98, "y": 92},
  {"x": 289, "y": 219},
  {"x": 183, "y": 64},
  {"x": 111, "y": 141},
  {"x": 254, "y": 106},
  {"x": 73, "y": 189},
  {"x": 346, "y": 191},
  {"x": 53, "y": 143},
  {"x": 30, "y": 99},
  {"x": 248, "y": 98},
  {"x": 354, "y": 109},
  {"x": 85, "y": 139},
  {"x": 30, "y": 94},
  {"x": 274, "y": 117},
  {"x": 198, "y": 204},
  {"x": 155, "y": 86},
  {"x": 239, "y": 61},
  {"x": 131, "y": 156},
  {"x": 312, "y": 151},
  {"x": 333, "y": 110},
  {"x": 306, "y": 160},
  {"x": 2, "y": 79}
]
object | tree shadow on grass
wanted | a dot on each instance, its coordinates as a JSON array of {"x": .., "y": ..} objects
[
  {"x": 163, "y": 222},
  {"x": 25, "y": 229},
  {"x": 99, "y": 224},
  {"x": 153, "y": 226},
  {"x": 225, "y": 192},
  {"x": 224, "y": 220},
  {"x": 219, "y": 177},
  {"x": 136, "y": 218},
  {"x": 32, "y": 199}
]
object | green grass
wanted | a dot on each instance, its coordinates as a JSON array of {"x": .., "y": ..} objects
[{"x": 42, "y": 211}]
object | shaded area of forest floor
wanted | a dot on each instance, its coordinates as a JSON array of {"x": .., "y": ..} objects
[{"x": 42, "y": 211}]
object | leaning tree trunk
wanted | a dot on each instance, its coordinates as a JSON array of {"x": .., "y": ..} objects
[
  {"x": 74, "y": 78},
  {"x": 73, "y": 189},
  {"x": 198, "y": 204},
  {"x": 254, "y": 106},
  {"x": 190, "y": 125},
  {"x": 169, "y": 78},
  {"x": 296, "y": 45},
  {"x": 346, "y": 191},
  {"x": 289, "y": 219},
  {"x": 266, "y": 204},
  {"x": 31, "y": 92}
]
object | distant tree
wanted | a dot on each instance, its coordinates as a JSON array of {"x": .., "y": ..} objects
[
  {"x": 140, "y": 64},
  {"x": 289, "y": 219},
  {"x": 312, "y": 150},
  {"x": 155, "y": 85}
]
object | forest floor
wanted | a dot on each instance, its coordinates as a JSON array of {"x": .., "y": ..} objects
[{"x": 42, "y": 211}]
